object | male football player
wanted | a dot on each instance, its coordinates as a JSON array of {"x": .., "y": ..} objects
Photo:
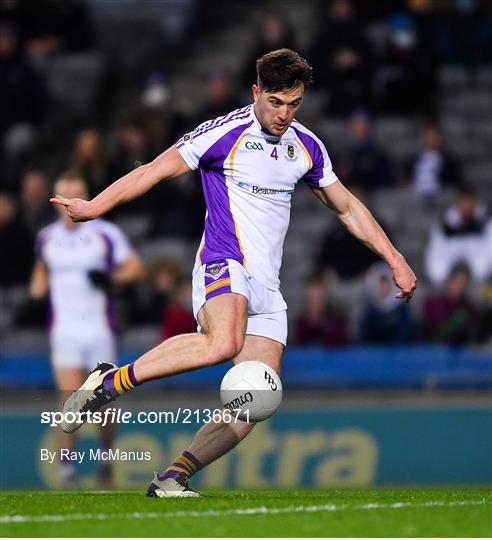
[
  {"x": 250, "y": 161},
  {"x": 75, "y": 264}
]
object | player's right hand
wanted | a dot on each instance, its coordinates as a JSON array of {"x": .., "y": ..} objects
[
  {"x": 405, "y": 279},
  {"x": 77, "y": 209}
]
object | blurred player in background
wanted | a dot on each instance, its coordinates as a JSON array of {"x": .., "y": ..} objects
[
  {"x": 250, "y": 161},
  {"x": 78, "y": 264}
]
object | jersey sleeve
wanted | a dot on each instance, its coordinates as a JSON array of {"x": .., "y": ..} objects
[
  {"x": 120, "y": 247},
  {"x": 195, "y": 144},
  {"x": 320, "y": 173}
]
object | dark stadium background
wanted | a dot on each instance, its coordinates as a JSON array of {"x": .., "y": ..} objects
[{"x": 377, "y": 392}]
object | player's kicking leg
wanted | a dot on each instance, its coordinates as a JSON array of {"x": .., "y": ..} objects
[
  {"x": 214, "y": 439},
  {"x": 226, "y": 317}
]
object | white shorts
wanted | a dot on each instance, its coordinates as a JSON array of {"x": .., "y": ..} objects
[
  {"x": 267, "y": 310},
  {"x": 82, "y": 352}
]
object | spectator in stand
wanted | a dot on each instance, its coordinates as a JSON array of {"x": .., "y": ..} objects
[
  {"x": 322, "y": 322},
  {"x": 164, "y": 276},
  {"x": 404, "y": 81},
  {"x": 176, "y": 208},
  {"x": 177, "y": 317},
  {"x": 433, "y": 169},
  {"x": 131, "y": 148},
  {"x": 273, "y": 32},
  {"x": 24, "y": 103},
  {"x": 463, "y": 235},
  {"x": 385, "y": 319},
  {"x": 16, "y": 244},
  {"x": 341, "y": 252},
  {"x": 464, "y": 36},
  {"x": 450, "y": 316},
  {"x": 88, "y": 160},
  {"x": 220, "y": 99},
  {"x": 163, "y": 125},
  {"x": 36, "y": 211},
  {"x": 340, "y": 59},
  {"x": 369, "y": 168}
]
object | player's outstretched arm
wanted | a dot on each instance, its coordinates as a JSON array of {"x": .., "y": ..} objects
[
  {"x": 131, "y": 186},
  {"x": 361, "y": 223}
]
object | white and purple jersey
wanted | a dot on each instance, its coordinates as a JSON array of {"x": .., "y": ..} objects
[
  {"x": 77, "y": 306},
  {"x": 248, "y": 178}
]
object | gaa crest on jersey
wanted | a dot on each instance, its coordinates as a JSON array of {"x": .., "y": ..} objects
[
  {"x": 290, "y": 152},
  {"x": 188, "y": 137},
  {"x": 251, "y": 145}
]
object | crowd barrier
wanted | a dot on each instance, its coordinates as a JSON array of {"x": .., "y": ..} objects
[{"x": 410, "y": 367}]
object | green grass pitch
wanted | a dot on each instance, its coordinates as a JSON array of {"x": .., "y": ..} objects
[{"x": 288, "y": 513}]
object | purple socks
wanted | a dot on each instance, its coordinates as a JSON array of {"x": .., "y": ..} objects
[{"x": 186, "y": 464}]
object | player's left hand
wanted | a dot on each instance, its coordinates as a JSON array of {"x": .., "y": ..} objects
[
  {"x": 77, "y": 209},
  {"x": 404, "y": 279}
]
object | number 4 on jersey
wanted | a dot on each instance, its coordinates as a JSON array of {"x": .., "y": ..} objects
[{"x": 274, "y": 153}]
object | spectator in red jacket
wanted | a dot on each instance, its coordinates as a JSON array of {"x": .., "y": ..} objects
[{"x": 177, "y": 317}]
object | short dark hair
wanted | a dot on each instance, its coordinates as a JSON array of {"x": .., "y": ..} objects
[
  {"x": 282, "y": 70},
  {"x": 461, "y": 267}
]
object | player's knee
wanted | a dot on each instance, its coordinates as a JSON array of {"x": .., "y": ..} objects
[
  {"x": 224, "y": 349},
  {"x": 227, "y": 350}
]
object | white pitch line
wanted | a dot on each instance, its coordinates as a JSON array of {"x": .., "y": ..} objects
[{"x": 233, "y": 512}]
